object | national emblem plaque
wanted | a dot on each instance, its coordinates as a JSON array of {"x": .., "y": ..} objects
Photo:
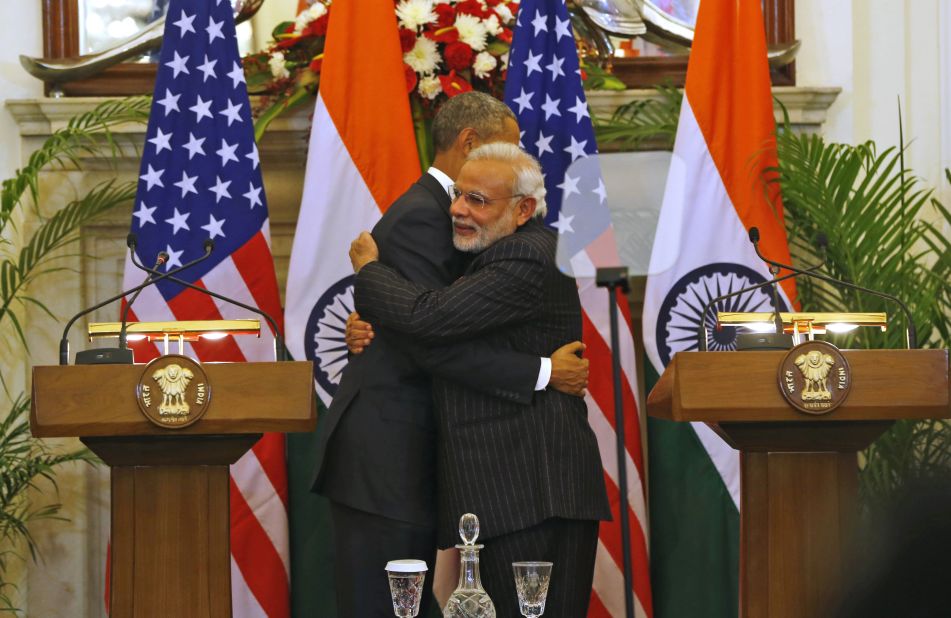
[
  {"x": 814, "y": 377},
  {"x": 173, "y": 391}
]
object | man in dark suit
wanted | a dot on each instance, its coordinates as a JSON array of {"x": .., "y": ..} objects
[
  {"x": 376, "y": 447},
  {"x": 531, "y": 473}
]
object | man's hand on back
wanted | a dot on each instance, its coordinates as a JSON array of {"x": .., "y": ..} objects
[
  {"x": 357, "y": 333},
  {"x": 363, "y": 250},
  {"x": 569, "y": 372}
]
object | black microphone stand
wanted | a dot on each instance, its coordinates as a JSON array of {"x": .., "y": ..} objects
[
  {"x": 614, "y": 279},
  {"x": 280, "y": 351},
  {"x": 911, "y": 334},
  {"x": 64, "y": 342}
]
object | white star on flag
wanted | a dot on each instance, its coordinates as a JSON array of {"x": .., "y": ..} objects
[
  {"x": 569, "y": 186},
  {"x": 226, "y": 152},
  {"x": 179, "y": 221},
  {"x": 174, "y": 258},
  {"x": 561, "y": 28},
  {"x": 237, "y": 75},
  {"x": 201, "y": 108},
  {"x": 214, "y": 30},
  {"x": 532, "y": 63},
  {"x": 543, "y": 143},
  {"x": 187, "y": 184},
  {"x": 555, "y": 67},
  {"x": 540, "y": 23},
  {"x": 580, "y": 110},
  {"x": 601, "y": 191},
  {"x": 208, "y": 69},
  {"x": 194, "y": 146},
  {"x": 170, "y": 102},
  {"x": 551, "y": 107},
  {"x": 220, "y": 189},
  {"x": 232, "y": 112},
  {"x": 524, "y": 101},
  {"x": 214, "y": 227},
  {"x": 178, "y": 64},
  {"x": 253, "y": 155},
  {"x": 153, "y": 178},
  {"x": 254, "y": 195},
  {"x": 563, "y": 224},
  {"x": 576, "y": 149},
  {"x": 144, "y": 214},
  {"x": 184, "y": 24},
  {"x": 161, "y": 140}
]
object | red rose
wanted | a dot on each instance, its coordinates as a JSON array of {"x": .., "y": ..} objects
[
  {"x": 290, "y": 28},
  {"x": 318, "y": 27},
  {"x": 472, "y": 7},
  {"x": 316, "y": 64},
  {"x": 411, "y": 78},
  {"x": 407, "y": 39},
  {"x": 445, "y": 15},
  {"x": 505, "y": 36},
  {"x": 443, "y": 35},
  {"x": 452, "y": 84},
  {"x": 458, "y": 56}
]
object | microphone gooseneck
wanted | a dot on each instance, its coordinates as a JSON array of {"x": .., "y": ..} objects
[
  {"x": 124, "y": 320},
  {"x": 911, "y": 334},
  {"x": 280, "y": 351},
  {"x": 64, "y": 341}
]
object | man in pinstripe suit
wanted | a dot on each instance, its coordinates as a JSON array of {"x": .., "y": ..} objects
[{"x": 531, "y": 473}]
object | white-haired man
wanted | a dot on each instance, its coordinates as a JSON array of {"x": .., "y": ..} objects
[{"x": 531, "y": 473}]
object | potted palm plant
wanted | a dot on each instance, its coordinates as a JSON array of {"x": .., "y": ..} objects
[{"x": 27, "y": 463}]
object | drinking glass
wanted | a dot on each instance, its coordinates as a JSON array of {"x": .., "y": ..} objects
[
  {"x": 531, "y": 584},
  {"x": 406, "y": 585}
]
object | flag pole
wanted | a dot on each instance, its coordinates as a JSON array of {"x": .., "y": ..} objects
[{"x": 615, "y": 278}]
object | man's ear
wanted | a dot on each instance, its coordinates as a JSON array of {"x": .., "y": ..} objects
[
  {"x": 467, "y": 141},
  {"x": 525, "y": 210}
]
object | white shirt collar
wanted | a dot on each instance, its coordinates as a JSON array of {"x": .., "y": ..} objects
[{"x": 441, "y": 177}]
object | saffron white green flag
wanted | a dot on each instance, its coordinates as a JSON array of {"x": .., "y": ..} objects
[{"x": 717, "y": 189}]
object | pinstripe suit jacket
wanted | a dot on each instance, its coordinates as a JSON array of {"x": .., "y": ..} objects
[
  {"x": 514, "y": 466},
  {"x": 375, "y": 445}
]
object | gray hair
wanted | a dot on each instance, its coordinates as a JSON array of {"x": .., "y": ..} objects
[
  {"x": 528, "y": 173},
  {"x": 476, "y": 110}
]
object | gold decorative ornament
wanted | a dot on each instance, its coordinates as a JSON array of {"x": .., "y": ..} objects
[
  {"x": 814, "y": 377},
  {"x": 173, "y": 391}
]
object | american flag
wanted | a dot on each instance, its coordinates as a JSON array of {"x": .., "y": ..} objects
[
  {"x": 201, "y": 178},
  {"x": 543, "y": 88}
]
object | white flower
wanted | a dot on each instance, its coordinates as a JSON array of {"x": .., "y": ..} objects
[
  {"x": 429, "y": 87},
  {"x": 471, "y": 31},
  {"x": 483, "y": 65},
  {"x": 504, "y": 12},
  {"x": 415, "y": 13},
  {"x": 424, "y": 56},
  {"x": 492, "y": 25},
  {"x": 314, "y": 12},
  {"x": 278, "y": 66}
]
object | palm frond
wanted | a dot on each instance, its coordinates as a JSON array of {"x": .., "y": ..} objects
[{"x": 651, "y": 120}]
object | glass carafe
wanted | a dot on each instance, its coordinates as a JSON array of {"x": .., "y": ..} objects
[{"x": 469, "y": 600}]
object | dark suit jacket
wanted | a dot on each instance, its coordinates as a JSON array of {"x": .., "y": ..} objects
[
  {"x": 513, "y": 466},
  {"x": 376, "y": 449}
]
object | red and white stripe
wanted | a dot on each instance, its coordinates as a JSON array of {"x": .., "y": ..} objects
[{"x": 260, "y": 555}]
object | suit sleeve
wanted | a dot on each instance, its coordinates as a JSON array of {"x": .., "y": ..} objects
[
  {"x": 505, "y": 290},
  {"x": 495, "y": 370}
]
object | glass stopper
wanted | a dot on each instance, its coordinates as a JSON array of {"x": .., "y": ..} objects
[{"x": 469, "y": 528}]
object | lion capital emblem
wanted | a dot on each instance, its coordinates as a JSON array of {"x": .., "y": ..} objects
[
  {"x": 815, "y": 377},
  {"x": 173, "y": 391}
]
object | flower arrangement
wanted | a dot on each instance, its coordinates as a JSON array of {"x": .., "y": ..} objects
[{"x": 449, "y": 47}]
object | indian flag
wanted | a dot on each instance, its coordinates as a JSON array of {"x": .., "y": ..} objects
[
  {"x": 716, "y": 190},
  {"x": 362, "y": 157}
]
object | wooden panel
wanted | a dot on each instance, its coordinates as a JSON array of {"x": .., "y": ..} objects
[
  {"x": 171, "y": 449},
  {"x": 122, "y": 543},
  {"x": 801, "y": 437},
  {"x": 99, "y": 400},
  {"x": 798, "y": 513},
  {"x": 743, "y": 387}
]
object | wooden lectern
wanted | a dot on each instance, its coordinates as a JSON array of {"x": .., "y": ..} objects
[
  {"x": 799, "y": 472},
  {"x": 170, "y": 487}
]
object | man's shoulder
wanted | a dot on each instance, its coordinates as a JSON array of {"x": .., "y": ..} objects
[{"x": 533, "y": 240}]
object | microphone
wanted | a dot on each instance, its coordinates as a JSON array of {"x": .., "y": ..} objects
[
  {"x": 131, "y": 241},
  {"x": 821, "y": 242},
  {"x": 911, "y": 334},
  {"x": 280, "y": 350},
  {"x": 64, "y": 342}
]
